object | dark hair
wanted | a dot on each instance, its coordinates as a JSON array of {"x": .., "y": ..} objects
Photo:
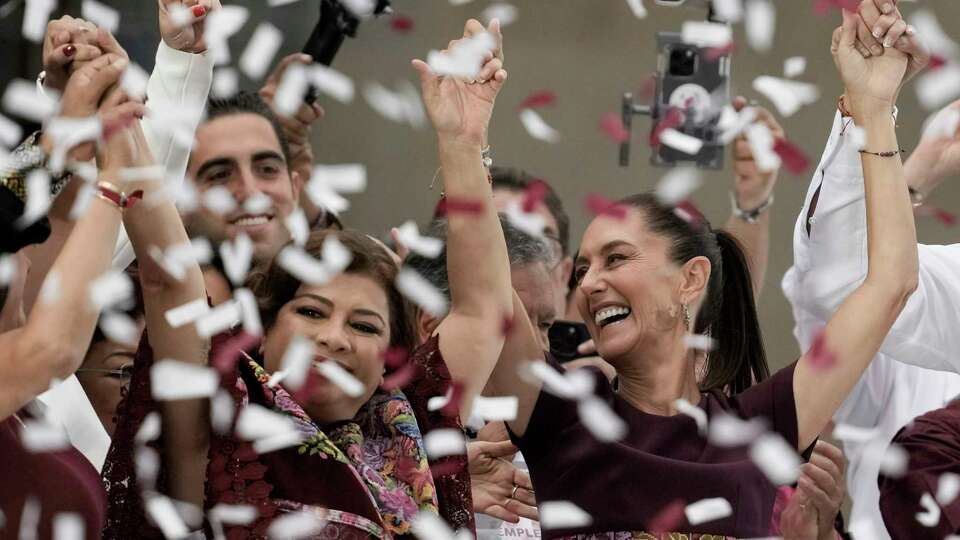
[
  {"x": 274, "y": 286},
  {"x": 519, "y": 180},
  {"x": 247, "y": 102},
  {"x": 729, "y": 312},
  {"x": 522, "y": 248}
]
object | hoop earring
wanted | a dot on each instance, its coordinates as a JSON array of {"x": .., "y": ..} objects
[{"x": 686, "y": 316}]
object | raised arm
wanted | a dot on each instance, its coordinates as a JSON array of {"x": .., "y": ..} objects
[
  {"x": 854, "y": 333},
  {"x": 52, "y": 343},
  {"x": 478, "y": 267},
  {"x": 753, "y": 191}
]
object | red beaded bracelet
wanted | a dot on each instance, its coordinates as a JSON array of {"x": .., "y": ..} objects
[{"x": 110, "y": 192}]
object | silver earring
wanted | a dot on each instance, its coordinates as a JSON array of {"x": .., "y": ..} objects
[{"x": 686, "y": 315}]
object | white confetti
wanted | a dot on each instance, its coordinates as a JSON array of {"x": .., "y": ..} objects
[
  {"x": 760, "y": 24},
  {"x": 296, "y": 525},
  {"x": 678, "y": 184},
  {"x": 636, "y": 7},
  {"x": 291, "y": 90},
  {"x": 67, "y": 133},
  {"x": 699, "y": 415},
  {"x": 147, "y": 463},
  {"x": 677, "y": 140},
  {"x": 174, "y": 380},
  {"x": 226, "y": 83},
  {"x": 69, "y": 526},
  {"x": 261, "y": 48},
  {"x": 237, "y": 256},
  {"x": 402, "y": 106},
  {"x": 163, "y": 513},
  {"x": 257, "y": 422},
  {"x": 943, "y": 124},
  {"x": 101, "y": 15},
  {"x": 730, "y": 11},
  {"x": 787, "y": 96},
  {"x": 257, "y": 203},
  {"x": 502, "y": 11},
  {"x": 948, "y": 487},
  {"x": 529, "y": 222},
  {"x": 277, "y": 442},
  {"x": 430, "y": 526},
  {"x": 134, "y": 81},
  {"x": 444, "y": 442},
  {"x": 602, "y": 422},
  {"x": 323, "y": 197},
  {"x": 563, "y": 515},
  {"x": 425, "y": 246},
  {"x": 221, "y": 24},
  {"x": 360, "y": 8},
  {"x": 234, "y": 514},
  {"x": 302, "y": 266},
  {"x": 858, "y": 137},
  {"x": 274, "y": 3},
  {"x": 249, "y": 311},
  {"x": 119, "y": 328},
  {"x": 699, "y": 342},
  {"x": 465, "y": 60},
  {"x": 38, "y": 198},
  {"x": 496, "y": 409},
  {"x": 50, "y": 290},
  {"x": 574, "y": 384},
  {"x": 336, "y": 256},
  {"x": 296, "y": 362},
  {"x": 35, "y": 19},
  {"x": 342, "y": 378},
  {"x": 346, "y": 178},
  {"x": 732, "y": 123},
  {"x": 707, "y": 34},
  {"x": 537, "y": 127},
  {"x": 926, "y": 24},
  {"x": 297, "y": 225},
  {"x": 29, "y": 519},
  {"x": 761, "y": 144},
  {"x": 776, "y": 459},
  {"x": 421, "y": 292},
  {"x": 111, "y": 289},
  {"x": 222, "y": 409},
  {"x": 10, "y": 132},
  {"x": 729, "y": 431},
  {"x": 936, "y": 88},
  {"x": 21, "y": 99},
  {"x": 187, "y": 313},
  {"x": 179, "y": 15},
  {"x": 894, "y": 461},
  {"x": 8, "y": 269},
  {"x": 149, "y": 429},
  {"x": 152, "y": 173},
  {"x": 931, "y": 512},
  {"x": 331, "y": 82},
  {"x": 219, "y": 319},
  {"x": 39, "y": 436},
  {"x": 706, "y": 510},
  {"x": 794, "y": 66},
  {"x": 219, "y": 200},
  {"x": 855, "y": 434}
]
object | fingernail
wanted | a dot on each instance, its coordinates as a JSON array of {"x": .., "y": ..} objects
[
  {"x": 887, "y": 43},
  {"x": 69, "y": 50},
  {"x": 877, "y": 32},
  {"x": 198, "y": 11},
  {"x": 887, "y": 8}
]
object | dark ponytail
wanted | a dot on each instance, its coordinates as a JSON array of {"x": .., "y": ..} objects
[{"x": 728, "y": 313}]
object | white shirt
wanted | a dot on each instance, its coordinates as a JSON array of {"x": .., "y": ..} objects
[
  {"x": 179, "y": 82},
  {"x": 828, "y": 265}
]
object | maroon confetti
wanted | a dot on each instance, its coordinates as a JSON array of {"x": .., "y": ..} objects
[
  {"x": 399, "y": 378},
  {"x": 672, "y": 119},
  {"x": 534, "y": 195},
  {"x": 395, "y": 357},
  {"x": 538, "y": 99},
  {"x": 943, "y": 216},
  {"x": 820, "y": 357},
  {"x": 225, "y": 359},
  {"x": 715, "y": 53},
  {"x": 793, "y": 157},
  {"x": 458, "y": 205},
  {"x": 401, "y": 23},
  {"x": 612, "y": 126},
  {"x": 936, "y": 62},
  {"x": 452, "y": 408},
  {"x": 689, "y": 212},
  {"x": 599, "y": 205},
  {"x": 669, "y": 518},
  {"x": 506, "y": 326},
  {"x": 823, "y": 7}
]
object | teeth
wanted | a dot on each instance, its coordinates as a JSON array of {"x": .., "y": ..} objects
[
  {"x": 605, "y": 314},
  {"x": 252, "y": 220}
]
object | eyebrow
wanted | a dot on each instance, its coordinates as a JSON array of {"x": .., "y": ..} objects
[
  {"x": 606, "y": 247},
  {"x": 329, "y": 303},
  {"x": 259, "y": 156},
  {"x": 268, "y": 154}
]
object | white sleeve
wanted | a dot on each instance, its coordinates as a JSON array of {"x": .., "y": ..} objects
[{"x": 176, "y": 96}]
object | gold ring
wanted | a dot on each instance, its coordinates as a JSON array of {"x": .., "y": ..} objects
[{"x": 514, "y": 492}]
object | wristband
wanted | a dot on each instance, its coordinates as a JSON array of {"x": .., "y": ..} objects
[
  {"x": 750, "y": 216},
  {"x": 110, "y": 192}
]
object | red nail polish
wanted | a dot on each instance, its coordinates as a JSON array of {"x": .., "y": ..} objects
[
  {"x": 69, "y": 50},
  {"x": 198, "y": 11}
]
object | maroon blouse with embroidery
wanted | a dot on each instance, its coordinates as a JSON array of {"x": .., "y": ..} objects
[{"x": 61, "y": 481}]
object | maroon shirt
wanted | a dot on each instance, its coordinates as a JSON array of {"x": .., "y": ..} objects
[
  {"x": 62, "y": 481},
  {"x": 933, "y": 443},
  {"x": 663, "y": 459}
]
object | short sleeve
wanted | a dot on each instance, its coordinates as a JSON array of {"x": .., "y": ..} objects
[
  {"x": 772, "y": 399},
  {"x": 554, "y": 419}
]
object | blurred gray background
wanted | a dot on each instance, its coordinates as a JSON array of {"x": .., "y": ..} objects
[{"x": 588, "y": 53}]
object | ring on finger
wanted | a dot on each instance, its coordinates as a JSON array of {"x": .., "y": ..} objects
[{"x": 514, "y": 492}]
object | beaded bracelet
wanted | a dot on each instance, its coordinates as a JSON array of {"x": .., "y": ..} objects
[{"x": 891, "y": 153}]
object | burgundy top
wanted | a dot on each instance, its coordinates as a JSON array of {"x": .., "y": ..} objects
[
  {"x": 626, "y": 485},
  {"x": 61, "y": 481},
  {"x": 933, "y": 443}
]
